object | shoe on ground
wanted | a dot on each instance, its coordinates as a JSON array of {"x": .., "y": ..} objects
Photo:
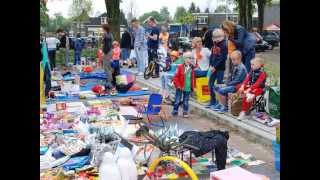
[
  {"x": 216, "y": 107},
  {"x": 223, "y": 109},
  {"x": 242, "y": 116},
  {"x": 210, "y": 105},
  {"x": 174, "y": 113},
  {"x": 185, "y": 115}
]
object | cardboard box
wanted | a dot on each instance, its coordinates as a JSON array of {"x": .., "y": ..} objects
[{"x": 234, "y": 173}]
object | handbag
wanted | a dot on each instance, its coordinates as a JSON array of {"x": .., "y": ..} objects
[{"x": 235, "y": 103}]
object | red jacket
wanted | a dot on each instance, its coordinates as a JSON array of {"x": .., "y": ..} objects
[
  {"x": 256, "y": 81},
  {"x": 179, "y": 77}
]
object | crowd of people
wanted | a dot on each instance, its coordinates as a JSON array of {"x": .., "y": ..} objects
[{"x": 227, "y": 53}]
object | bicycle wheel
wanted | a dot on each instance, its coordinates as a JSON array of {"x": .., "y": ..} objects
[{"x": 148, "y": 71}]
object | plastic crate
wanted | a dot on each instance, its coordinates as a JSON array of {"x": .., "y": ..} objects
[
  {"x": 276, "y": 150},
  {"x": 203, "y": 91}
]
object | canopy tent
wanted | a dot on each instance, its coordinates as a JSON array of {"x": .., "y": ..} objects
[{"x": 272, "y": 27}]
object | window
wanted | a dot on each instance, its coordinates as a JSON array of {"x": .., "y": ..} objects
[
  {"x": 103, "y": 20},
  {"x": 202, "y": 20}
]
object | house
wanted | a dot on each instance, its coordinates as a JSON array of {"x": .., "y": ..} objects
[
  {"x": 212, "y": 20},
  {"x": 92, "y": 25}
]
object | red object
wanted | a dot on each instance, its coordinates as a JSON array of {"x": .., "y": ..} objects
[
  {"x": 61, "y": 106},
  {"x": 87, "y": 69},
  {"x": 179, "y": 77},
  {"x": 99, "y": 89},
  {"x": 135, "y": 87}
]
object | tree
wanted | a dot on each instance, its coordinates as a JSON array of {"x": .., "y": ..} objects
[
  {"x": 192, "y": 8},
  {"x": 245, "y": 8},
  {"x": 165, "y": 14},
  {"x": 113, "y": 13},
  {"x": 207, "y": 10},
  {"x": 222, "y": 9},
  {"x": 80, "y": 10},
  {"x": 44, "y": 17},
  {"x": 198, "y": 9},
  {"x": 157, "y": 16},
  {"x": 123, "y": 20},
  {"x": 180, "y": 11},
  {"x": 58, "y": 22},
  {"x": 261, "y": 5}
]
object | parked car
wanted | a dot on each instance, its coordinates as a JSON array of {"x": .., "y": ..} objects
[
  {"x": 271, "y": 37},
  {"x": 184, "y": 42},
  {"x": 261, "y": 47}
]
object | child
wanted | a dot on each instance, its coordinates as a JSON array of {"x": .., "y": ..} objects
[
  {"x": 217, "y": 64},
  {"x": 183, "y": 81},
  {"x": 115, "y": 60},
  {"x": 78, "y": 45},
  {"x": 167, "y": 77},
  {"x": 252, "y": 86},
  {"x": 239, "y": 73}
]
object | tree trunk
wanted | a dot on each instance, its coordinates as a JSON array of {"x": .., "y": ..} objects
[
  {"x": 250, "y": 11},
  {"x": 113, "y": 13},
  {"x": 261, "y": 4},
  {"x": 243, "y": 12}
]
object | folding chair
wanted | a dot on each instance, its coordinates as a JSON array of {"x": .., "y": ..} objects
[{"x": 153, "y": 108}]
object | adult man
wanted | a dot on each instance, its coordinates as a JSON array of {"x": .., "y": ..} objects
[
  {"x": 52, "y": 43},
  {"x": 64, "y": 44},
  {"x": 140, "y": 46},
  {"x": 153, "y": 44}
]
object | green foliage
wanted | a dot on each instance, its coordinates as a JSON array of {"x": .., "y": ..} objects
[
  {"x": 186, "y": 18},
  {"x": 80, "y": 10},
  {"x": 113, "y": 13},
  {"x": 123, "y": 20},
  {"x": 222, "y": 9},
  {"x": 44, "y": 17},
  {"x": 85, "y": 53},
  {"x": 154, "y": 14},
  {"x": 58, "y": 22},
  {"x": 165, "y": 14},
  {"x": 180, "y": 11}
]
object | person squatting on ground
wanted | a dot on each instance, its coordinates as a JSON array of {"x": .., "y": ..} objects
[
  {"x": 107, "y": 51},
  {"x": 153, "y": 44},
  {"x": 78, "y": 45},
  {"x": 115, "y": 61},
  {"x": 217, "y": 64},
  {"x": 244, "y": 40},
  {"x": 238, "y": 75},
  {"x": 252, "y": 86},
  {"x": 166, "y": 77},
  {"x": 201, "y": 56},
  {"x": 140, "y": 46},
  {"x": 184, "y": 81}
]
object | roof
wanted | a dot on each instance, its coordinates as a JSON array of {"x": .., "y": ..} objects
[{"x": 96, "y": 20}]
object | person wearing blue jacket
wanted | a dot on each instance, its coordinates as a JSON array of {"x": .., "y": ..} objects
[
  {"x": 78, "y": 45},
  {"x": 232, "y": 85},
  {"x": 245, "y": 41},
  {"x": 217, "y": 63}
]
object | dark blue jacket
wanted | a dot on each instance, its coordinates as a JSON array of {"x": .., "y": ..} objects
[
  {"x": 219, "y": 53},
  {"x": 239, "y": 73},
  {"x": 78, "y": 45},
  {"x": 243, "y": 39}
]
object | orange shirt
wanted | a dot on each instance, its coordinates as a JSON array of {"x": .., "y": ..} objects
[
  {"x": 116, "y": 53},
  {"x": 231, "y": 47}
]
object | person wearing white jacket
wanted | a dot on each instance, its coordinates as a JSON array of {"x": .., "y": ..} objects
[{"x": 52, "y": 43}]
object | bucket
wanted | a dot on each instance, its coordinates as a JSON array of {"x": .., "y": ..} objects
[
  {"x": 276, "y": 150},
  {"x": 202, "y": 90}
]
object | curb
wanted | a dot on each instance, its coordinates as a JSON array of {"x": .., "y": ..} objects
[{"x": 251, "y": 133}]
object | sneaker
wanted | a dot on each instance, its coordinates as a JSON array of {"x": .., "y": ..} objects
[
  {"x": 216, "y": 107},
  {"x": 210, "y": 105},
  {"x": 174, "y": 113},
  {"x": 185, "y": 115},
  {"x": 242, "y": 116},
  {"x": 223, "y": 109}
]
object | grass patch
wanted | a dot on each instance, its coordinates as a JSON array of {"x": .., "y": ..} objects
[
  {"x": 273, "y": 73},
  {"x": 85, "y": 53}
]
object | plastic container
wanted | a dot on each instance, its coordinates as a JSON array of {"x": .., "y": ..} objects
[
  {"x": 202, "y": 90},
  {"x": 276, "y": 150}
]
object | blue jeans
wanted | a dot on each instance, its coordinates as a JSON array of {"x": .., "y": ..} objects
[
  {"x": 179, "y": 94},
  {"x": 77, "y": 57},
  {"x": 141, "y": 57},
  {"x": 165, "y": 79},
  {"x": 125, "y": 53},
  {"x": 225, "y": 90},
  {"x": 217, "y": 75}
]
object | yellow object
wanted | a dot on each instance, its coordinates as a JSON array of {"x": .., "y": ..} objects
[
  {"x": 202, "y": 90},
  {"x": 278, "y": 134},
  {"x": 177, "y": 161},
  {"x": 42, "y": 93}
]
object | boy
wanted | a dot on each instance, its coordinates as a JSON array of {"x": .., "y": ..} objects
[
  {"x": 78, "y": 49},
  {"x": 183, "y": 81},
  {"x": 239, "y": 73},
  {"x": 252, "y": 86},
  {"x": 217, "y": 64},
  {"x": 167, "y": 77},
  {"x": 115, "y": 60}
]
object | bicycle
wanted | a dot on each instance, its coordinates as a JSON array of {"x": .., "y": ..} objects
[{"x": 156, "y": 60}]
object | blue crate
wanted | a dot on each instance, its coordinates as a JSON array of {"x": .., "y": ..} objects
[{"x": 276, "y": 150}]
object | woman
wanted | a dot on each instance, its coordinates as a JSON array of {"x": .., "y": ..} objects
[
  {"x": 201, "y": 56},
  {"x": 164, "y": 38},
  {"x": 244, "y": 41},
  {"x": 107, "y": 51}
]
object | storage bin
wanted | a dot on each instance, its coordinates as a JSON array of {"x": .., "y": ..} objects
[
  {"x": 276, "y": 150},
  {"x": 202, "y": 90}
]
